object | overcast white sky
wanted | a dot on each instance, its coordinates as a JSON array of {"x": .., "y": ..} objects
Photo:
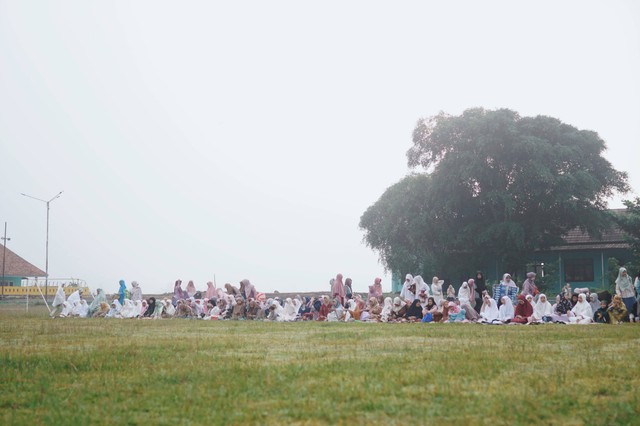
[{"x": 245, "y": 139}]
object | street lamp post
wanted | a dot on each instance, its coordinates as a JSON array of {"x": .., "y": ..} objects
[
  {"x": 4, "y": 252},
  {"x": 46, "y": 271}
]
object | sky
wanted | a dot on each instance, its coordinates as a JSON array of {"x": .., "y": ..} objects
[{"x": 231, "y": 140}]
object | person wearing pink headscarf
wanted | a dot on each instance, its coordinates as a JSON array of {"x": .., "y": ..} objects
[
  {"x": 377, "y": 284},
  {"x": 337, "y": 288},
  {"x": 247, "y": 289},
  {"x": 191, "y": 289},
  {"x": 211, "y": 291}
]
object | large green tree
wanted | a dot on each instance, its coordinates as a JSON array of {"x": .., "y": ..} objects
[
  {"x": 491, "y": 182},
  {"x": 629, "y": 221}
]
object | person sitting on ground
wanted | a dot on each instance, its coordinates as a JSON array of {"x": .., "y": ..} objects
[
  {"x": 253, "y": 310},
  {"x": 542, "y": 311},
  {"x": 151, "y": 308},
  {"x": 128, "y": 309},
  {"x": 398, "y": 310},
  {"x": 601, "y": 316},
  {"x": 530, "y": 300},
  {"x": 387, "y": 309},
  {"x": 114, "y": 311},
  {"x": 373, "y": 311},
  {"x": 353, "y": 310},
  {"x": 414, "y": 312},
  {"x": 168, "y": 310},
  {"x": 523, "y": 311},
  {"x": 489, "y": 310},
  {"x": 444, "y": 310},
  {"x": 238, "y": 309},
  {"x": 103, "y": 310},
  {"x": 464, "y": 293},
  {"x": 617, "y": 310},
  {"x": 561, "y": 309},
  {"x": 456, "y": 313},
  {"x": 81, "y": 310},
  {"x": 505, "y": 311},
  {"x": 582, "y": 313},
  {"x": 325, "y": 308}
]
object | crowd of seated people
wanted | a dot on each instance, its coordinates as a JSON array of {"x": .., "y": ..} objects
[{"x": 417, "y": 302}]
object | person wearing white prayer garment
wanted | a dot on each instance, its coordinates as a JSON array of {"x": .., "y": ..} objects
[
  {"x": 420, "y": 285},
  {"x": 489, "y": 311},
  {"x": 542, "y": 309},
  {"x": 436, "y": 289},
  {"x": 581, "y": 312},
  {"x": 464, "y": 293},
  {"x": 506, "y": 311}
]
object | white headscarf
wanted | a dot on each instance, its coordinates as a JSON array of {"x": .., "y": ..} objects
[
  {"x": 464, "y": 293},
  {"x": 397, "y": 304},
  {"x": 169, "y": 309},
  {"x": 542, "y": 309},
  {"x": 489, "y": 310},
  {"x": 420, "y": 285},
  {"x": 436, "y": 288},
  {"x": 386, "y": 309},
  {"x": 81, "y": 309},
  {"x": 506, "y": 311},
  {"x": 595, "y": 302},
  {"x": 59, "y": 299},
  {"x": 289, "y": 311},
  {"x": 405, "y": 293},
  {"x": 67, "y": 308},
  {"x": 624, "y": 282},
  {"x": 74, "y": 298},
  {"x": 138, "y": 307},
  {"x": 114, "y": 309},
  {"x": 510, "y": 282},
  {"x": 128, "y": 309},
  {"x": 582, "y": 308}
]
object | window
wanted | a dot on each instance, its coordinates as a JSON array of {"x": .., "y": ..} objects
[{"x": 578, "y": 270}]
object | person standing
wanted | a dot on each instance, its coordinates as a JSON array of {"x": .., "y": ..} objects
[
  {"x": 625, "y": 289},
  {"x": 480, "y": 287},
  {"x": 136, "y": 291},
  {"x": 121, "y": 292},
  {"x": 529, "y": 287},
  {"x": 348, "y": 289},
  {"x": 337, "y": 289},
  {"x": 377, "y": 285}
]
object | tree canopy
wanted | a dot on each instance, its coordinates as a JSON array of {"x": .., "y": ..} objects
[
  {"x": 490, "y": 181},
  {"x": 630, "y": 223}
]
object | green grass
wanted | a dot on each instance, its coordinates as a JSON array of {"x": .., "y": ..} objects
[{"x": 75, "y": 371}]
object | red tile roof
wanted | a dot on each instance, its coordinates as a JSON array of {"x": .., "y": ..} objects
[
  {"x": 611, "y": 238},
  {"x": 17, "y": 266}
]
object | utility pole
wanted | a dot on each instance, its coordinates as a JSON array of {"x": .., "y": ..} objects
[
  {"x": 4, "y": 254},
  {"x": 46, "y": 279}
]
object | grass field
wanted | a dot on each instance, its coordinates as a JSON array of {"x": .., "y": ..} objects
[{"x": 97, "y": 371}]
